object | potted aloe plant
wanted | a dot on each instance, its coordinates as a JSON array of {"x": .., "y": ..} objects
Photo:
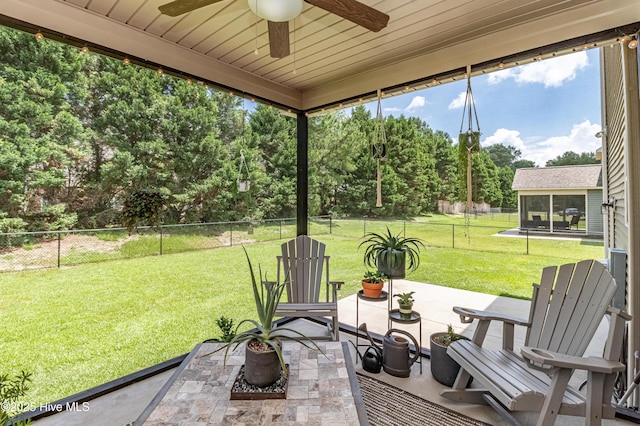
[
  {"x": 264, "y": 362},
  {"x": 391, "y": 254}
]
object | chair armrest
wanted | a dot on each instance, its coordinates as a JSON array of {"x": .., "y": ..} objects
[
  {"x": 484, "y": 318},
  {"x": 336, "y": 284},
  {"x": 467, "y": 316},
  {"x": 625, "y": 316},
  {"x": 539, "y": 357}
]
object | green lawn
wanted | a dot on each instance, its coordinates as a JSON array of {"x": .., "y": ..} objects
[{"x": 81, "y": 326}]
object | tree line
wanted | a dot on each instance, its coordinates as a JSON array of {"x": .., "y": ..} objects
[{"x": 80, "y": 133}]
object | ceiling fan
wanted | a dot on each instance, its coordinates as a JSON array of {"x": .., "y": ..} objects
[{"x": 278, "y": 13}]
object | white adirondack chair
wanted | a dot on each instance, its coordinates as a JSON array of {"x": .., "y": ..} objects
[
  {"x": 301, "y": 265},
  {"x": 562, "y": 320}
]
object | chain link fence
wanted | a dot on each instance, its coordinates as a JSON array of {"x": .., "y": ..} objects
[
  {"x": 502, "y": 237},
  {"x": 37, "y": 250}
]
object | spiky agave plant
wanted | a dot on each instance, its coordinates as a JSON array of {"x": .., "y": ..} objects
[
  {"x": 267, "y": 296},
  {"x": 386, "y": 248}
]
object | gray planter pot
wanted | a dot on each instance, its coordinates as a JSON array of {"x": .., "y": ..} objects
[
  {"x": 395, "y": 270},
  {"x": 443, "y": 368},
  {"x": 261, "y": 368}
]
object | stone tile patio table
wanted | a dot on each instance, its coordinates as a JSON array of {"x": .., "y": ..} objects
[{"x": 322, "y": 390}]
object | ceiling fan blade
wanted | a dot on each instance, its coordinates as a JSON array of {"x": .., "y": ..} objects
[
  {"x": 354, "y": 11},
  {"x": 279, "y": 39},
  {"x": 179, "y": 7}
]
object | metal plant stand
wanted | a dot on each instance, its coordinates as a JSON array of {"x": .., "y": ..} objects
[{"x": 393, "y": 316}]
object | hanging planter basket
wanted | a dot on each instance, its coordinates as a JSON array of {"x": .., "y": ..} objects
[
  {"x": 470, "y": 140},
  {"x": 468, "y": 144},
  {"x": 379, "y": 151},
  {"x": 243, "y": 185},
  {"x": 379, "y": 148},
  {"x": 243, "y": 182}
]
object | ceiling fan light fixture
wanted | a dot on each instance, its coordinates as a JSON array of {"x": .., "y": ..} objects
[{"x": 276, "y": 10}]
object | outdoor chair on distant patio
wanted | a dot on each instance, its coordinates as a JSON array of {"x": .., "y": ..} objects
[
  {"x": 537, "y": 221},
  {"x": 575, "y": 220},
  {"x": 301, "y": 265},
  {"x": 562, "y": 321}
]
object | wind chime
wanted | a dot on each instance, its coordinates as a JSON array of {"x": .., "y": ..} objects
[
  {"x": 469, "y": 141},
  {"x": 243, "y": 181},
  {"x": 379, "y": 147}
]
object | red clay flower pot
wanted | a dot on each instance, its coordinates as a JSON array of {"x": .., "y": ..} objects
[{"x": 372, "y": 289}]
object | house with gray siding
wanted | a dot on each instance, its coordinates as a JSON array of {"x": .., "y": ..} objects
[{"x": 565, "y": 199}]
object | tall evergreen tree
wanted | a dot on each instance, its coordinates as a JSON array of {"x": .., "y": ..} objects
[
  {"x": 203, "y": 174},
  {"x": 509, "y": 196},
  {"x": 82, "y": 131},
  {"x": 276, "y": 136},
  {"x": 486, "y": 180},
  {"x": 331, "y": 160},
  {"x": 410, "y": 167},
  {"x": 503, "y": 155},
  {"x": 357, "y": 195},
  {"x": 40, "y": 140},
  {"x": 445, "y": 156},
  {"x": 507, "y": 159},
  {"x": 571, "y": 158}
]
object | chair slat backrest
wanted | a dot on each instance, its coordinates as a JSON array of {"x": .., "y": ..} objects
[
  {"x": 562, "y": 281},
  {"x": 303, "y": 259},
  {"x": 565, "y": 316},
  {"x": 539, "y": 304}
]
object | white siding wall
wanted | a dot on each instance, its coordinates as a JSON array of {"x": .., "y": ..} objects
[
  {"x": 621, "y": 170},
  {"x": 614, "y": 177}
]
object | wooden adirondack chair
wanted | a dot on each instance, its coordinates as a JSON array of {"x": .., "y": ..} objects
[
  {"x": 562, "y": 320},
  {"x": 302, "y": 264}
]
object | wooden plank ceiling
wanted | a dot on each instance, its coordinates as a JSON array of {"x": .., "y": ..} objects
[{"x": 332, "y": 59}]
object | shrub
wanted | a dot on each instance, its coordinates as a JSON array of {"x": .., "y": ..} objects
[
  {"x": 11, "y": 225},
  {"x": 142, "y": 207},
  {"x": 11, "y": 390}
]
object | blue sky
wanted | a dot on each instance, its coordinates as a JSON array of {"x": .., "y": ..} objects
[{"x": 544, "y": 108}]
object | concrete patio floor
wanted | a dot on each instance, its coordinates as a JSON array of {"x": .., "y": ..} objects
[{"x": 434, "y": 304}]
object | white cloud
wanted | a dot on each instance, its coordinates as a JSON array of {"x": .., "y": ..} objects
[
  {"x": 392, "y": 109},
  {"x": 500, "y": 76},
  {"x": 505, "y": 137},
  {"x": 550, "y": 72},
  {"x": 459, "y": 101},
  {"x": 580, "y": 139},
  {"x": 416, "y": 102}
]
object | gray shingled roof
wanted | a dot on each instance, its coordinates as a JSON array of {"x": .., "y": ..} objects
[{"x": 560, "y": 177}]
